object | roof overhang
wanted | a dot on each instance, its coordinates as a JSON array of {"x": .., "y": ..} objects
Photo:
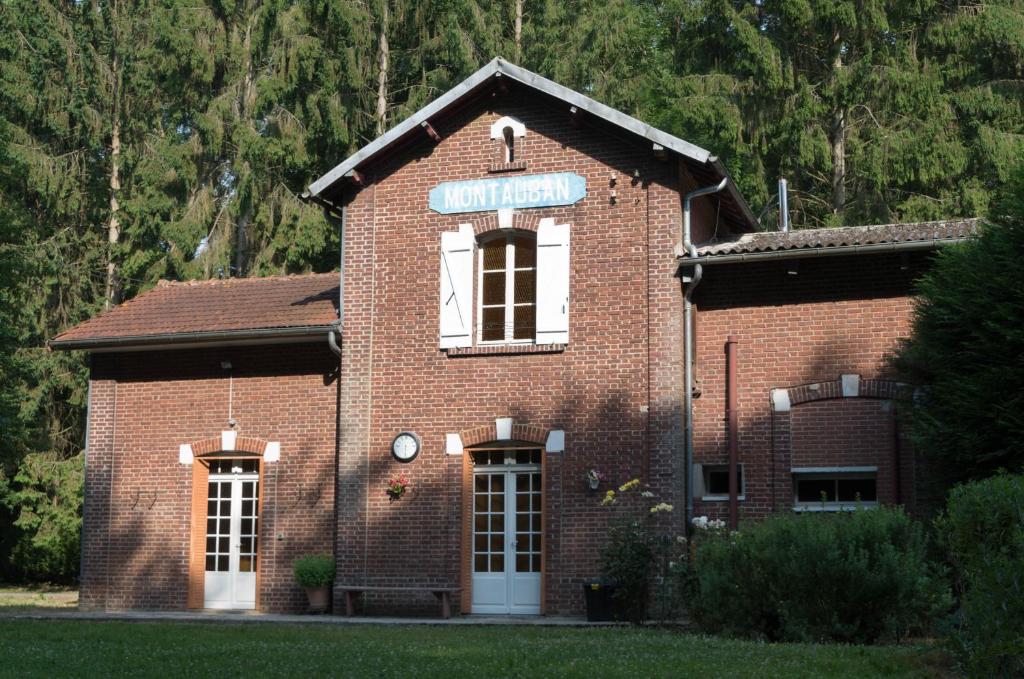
[
  {"x": 190, "y": 340},
  {"x": 823, "y": 251},
  {"x": 327, "y": 185}
]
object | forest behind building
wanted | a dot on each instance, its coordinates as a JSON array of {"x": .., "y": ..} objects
[{"x": 173, "y": 138}]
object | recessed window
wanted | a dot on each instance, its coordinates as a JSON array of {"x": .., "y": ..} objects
[
  {"x": 835, "y": 490},
  {"x": 508, "y": 288},
  {"x": 508, "y": 134},
  {"x": 716, "y": 482}
]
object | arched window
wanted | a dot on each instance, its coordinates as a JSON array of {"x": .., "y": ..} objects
[{"x": 507, "y": 287}]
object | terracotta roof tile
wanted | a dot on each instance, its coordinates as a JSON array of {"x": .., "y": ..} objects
[
  {"x": 875, "y": 234},
  {"x": 214, "y": 306}
]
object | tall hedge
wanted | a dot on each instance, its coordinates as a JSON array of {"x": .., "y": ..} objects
[
  {"x": 855, "y": 577},
  {"x": 985, "y": 528},
  {"x": 964, "y": 356}
]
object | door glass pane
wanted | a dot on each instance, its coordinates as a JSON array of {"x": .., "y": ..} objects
[{"x": 218, "y": 525}]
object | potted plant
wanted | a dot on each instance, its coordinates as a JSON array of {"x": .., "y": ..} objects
[
  {"x": 397, "y": 486},
  {"x": 594, "y": 478},
  {"x": 315, "y": 573}
]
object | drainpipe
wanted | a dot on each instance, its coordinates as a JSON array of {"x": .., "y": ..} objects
[
  {"x": 339, "y": 223},
  {"x": 733, "y": 418},
  {"x": 689, "y": 346}
]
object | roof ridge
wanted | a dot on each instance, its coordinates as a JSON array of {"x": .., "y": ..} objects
[{"x": 196, "y": 282}]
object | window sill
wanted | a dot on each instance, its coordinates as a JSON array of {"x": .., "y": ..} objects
[
  {"x": 834, "y": 507},
  {"x": 507, "y": 167},
  {"x": 721, "y": 498},
  {"x": 504, "y": 349}
]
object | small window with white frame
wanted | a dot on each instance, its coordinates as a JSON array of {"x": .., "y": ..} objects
[
  {"x": 508, "y": 288},
  {"x": 832, "y": 489},
  {"x": 716, "y": 482}
]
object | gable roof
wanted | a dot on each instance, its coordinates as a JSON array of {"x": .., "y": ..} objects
[
  {"x": 706, "y": 167},
  {"x": 230, "y": 310},
  {"x": 838, "y": 241}
]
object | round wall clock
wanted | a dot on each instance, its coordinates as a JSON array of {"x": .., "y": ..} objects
[{"x": 405, "y": 447}]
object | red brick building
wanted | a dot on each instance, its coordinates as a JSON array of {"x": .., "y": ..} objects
[{"x": 509, "y": 316}]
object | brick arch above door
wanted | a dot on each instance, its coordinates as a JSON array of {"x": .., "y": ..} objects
[{"x": 243, "y": 445}]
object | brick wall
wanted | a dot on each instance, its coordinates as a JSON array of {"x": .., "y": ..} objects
[
  {"x": 139, "y": 499},
  {"x": 614, "y": 389},
  {"x": 837, "y": 315}
]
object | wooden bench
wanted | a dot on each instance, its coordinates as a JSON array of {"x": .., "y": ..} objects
[{"x": 442, "y": 593}]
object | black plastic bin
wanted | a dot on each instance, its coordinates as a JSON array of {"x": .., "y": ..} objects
[{"x": 601, "y": 604}]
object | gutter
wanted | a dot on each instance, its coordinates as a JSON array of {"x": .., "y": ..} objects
[
  {"x": 820, "y": 251},
  {"x": 174, "y": 338}
]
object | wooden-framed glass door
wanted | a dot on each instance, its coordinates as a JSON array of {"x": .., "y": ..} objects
[
  {"x": 232, "y": 527},
  {"x": 507, "y": 532}
]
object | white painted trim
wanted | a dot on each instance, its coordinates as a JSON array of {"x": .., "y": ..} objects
[
  {"x": 555, "y": 442},
  {"x": 453, "y": 444},
  {"x": 780, "y": 400},
  {"x": 228, "y": 438},
  {"x": 272, "y": 453},
  {"x": 503, "y": 428},
  {"x": 498, "y": 127},
  {"x": 834, "y": 507},
  {"x": 851, "y": 385},
  {"x": 185, "y": 455}
]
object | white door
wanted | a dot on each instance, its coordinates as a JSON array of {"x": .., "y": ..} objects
[
  {"x": 231, "y": 530},
  {"x": 507, "y": 532}
]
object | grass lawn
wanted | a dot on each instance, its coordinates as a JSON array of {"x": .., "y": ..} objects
[{"x": 73, "y": 648}]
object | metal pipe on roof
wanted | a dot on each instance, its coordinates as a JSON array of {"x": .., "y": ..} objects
[
  {"x": 688, "y": 347},
  {"x": 783, "y": 206}
]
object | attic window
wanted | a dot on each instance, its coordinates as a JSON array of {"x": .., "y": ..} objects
[
  {"x": 507, "y": 136},
  {"x": 510, "y": 144}
]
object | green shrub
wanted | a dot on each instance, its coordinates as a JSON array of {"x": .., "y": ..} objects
[
  {"x": 315, "y": 570},
  {"x": 853, "y": 577},
  {"x": 985, "y": 530}
]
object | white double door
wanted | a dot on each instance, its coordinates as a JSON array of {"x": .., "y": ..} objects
[
  {"x": 231, "y": 534},
  {"x": 507, "y": 536}
]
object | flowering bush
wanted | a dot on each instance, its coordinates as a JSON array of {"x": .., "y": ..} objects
[
  {"x": 636, "y": 553},
  {"x": 397, "y": 485},
  {"x": 595, "y": 477}
]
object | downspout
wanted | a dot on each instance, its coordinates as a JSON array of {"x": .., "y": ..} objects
[
  {"x": 733, "y": 418},
  {"x": 688, "y": 346},
  {"x": 339, "y": 223}
]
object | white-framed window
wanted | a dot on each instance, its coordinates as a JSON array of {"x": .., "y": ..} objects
[
  {"x": 521, "y": 280},
  {"x": 507, "y": 285},
  {"x": 715, "y": 478},
  {"x": 833, "y": 489}
]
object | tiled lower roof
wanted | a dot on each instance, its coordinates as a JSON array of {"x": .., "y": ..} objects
[
  {"x": 848, "y": 236},
  {"x": 176, "y": 312}
]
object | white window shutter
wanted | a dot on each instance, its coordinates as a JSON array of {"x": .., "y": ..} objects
[
  {"x": 552, "y": 282},
  {"x": 457, "y": 287}
]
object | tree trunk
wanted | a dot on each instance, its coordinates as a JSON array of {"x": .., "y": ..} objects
[
  {"x": 519, "y": 31},
  {"x": 382, "y": 71},
  {"x": 245, "y": 213},
  {"x": 112, "y": 292},
  {"x": 837, "y": 139}
]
